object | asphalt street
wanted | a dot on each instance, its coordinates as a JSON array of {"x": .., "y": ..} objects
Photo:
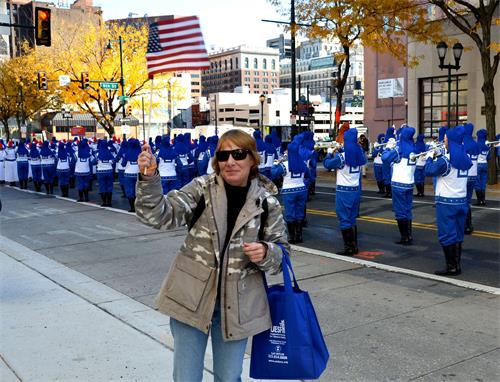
[{"x": 379, "y": 325}]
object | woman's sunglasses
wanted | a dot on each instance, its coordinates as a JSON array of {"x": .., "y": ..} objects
[{"x": 238, "y": 154}]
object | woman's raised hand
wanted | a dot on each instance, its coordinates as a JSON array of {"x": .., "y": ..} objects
[{"x": 146, "y": 161}]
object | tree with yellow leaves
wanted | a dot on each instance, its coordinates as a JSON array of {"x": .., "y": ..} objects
[
  {"x": 20, "y": 97},
  {"x": 383, "y": 25},
  {"x": 476, "y": 19},
  {"x": 96, "y": 50}
]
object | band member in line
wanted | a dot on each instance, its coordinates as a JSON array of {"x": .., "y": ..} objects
[
  {"x": 377, "y": 164},
  {"x": 420, "y": 147},
  {"x": 402, "y": 181},
  {"x": 63, "y": 169},
  {"x": 294, "y": 170},
  {"x": 451, "y": 172},
  {"x": 472, "y": 150},
  {"x": 347, "y": 196}
]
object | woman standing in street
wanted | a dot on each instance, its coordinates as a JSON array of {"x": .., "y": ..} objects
[{"x": 215, "y": 284}]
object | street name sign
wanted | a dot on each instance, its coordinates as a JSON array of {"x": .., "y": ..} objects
[
  {"x": 64, "y": 80},
  {"x": 108, "y": 85}
]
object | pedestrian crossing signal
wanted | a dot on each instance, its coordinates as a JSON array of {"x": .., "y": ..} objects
[
  {"x": 42, "y": 26},
  {"x": 85, "y": 80},
  {"x": 42, "y": 81}
]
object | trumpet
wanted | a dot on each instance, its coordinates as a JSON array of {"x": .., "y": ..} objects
[
  {"x": 328, "y": 145},
  {"x": 487, "y": 143},
  {"x": 376, "y": 145},
  {"x": 414, "y": 157}
]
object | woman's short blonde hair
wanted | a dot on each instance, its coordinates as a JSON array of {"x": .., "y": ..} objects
[{"x": 242, "y": 140}]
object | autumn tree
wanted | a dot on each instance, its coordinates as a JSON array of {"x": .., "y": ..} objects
[
  {"x": 95, "y": 50},
  {"x": 21, "y": 99},
  {"x": 476, "y": 19},
  {"x": 383, "y": 25}
]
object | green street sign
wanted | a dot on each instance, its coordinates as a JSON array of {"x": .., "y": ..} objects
[
  {"x": 123, "y": 98},
  {"x": 108, "y": 85}
]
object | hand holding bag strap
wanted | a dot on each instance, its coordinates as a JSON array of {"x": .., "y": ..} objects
[{"x": 286, "y": 265}]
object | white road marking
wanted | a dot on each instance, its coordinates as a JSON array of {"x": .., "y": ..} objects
[{"x": 390, "y": 268}]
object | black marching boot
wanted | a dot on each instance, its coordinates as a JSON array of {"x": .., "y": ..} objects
[
  {"x": 72, "y": 180},
  {"x": 103, "y": 199},
  {"x": 131, "y": 201},
  {"x": 86, "y": 195},
  {"x": 109, "y": 198},
  {"x": 355, "y": 240},
  {"x": 38, "y": 186},
  {"x": 388, "y": 191},
  {"x": 298, "y": 232},
  {"x": 478, "y": 198},
  {"x": 403, "y": 231},
  {"x": 468, "y": 223},
  {"x": 483, "y": 197},
  {"x": 47, "y": 188},
  {"x": 64, "y": 191},
  {"x": 80, "y": 196},
  {"x": 451, "y": 254},
  {"x": 410, "y": 232},
  {"x": 380, "y": 186},
  {"x": 291, "y": 232},
  {"x": 51, "y": 189},
  {"x": 348, "y": 239}
]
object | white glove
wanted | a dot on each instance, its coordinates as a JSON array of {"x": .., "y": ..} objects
[
  {"x": 497, "y": 145},
  {"x": 391, "y": 143},
  {"x": 431, "y": 154},
  {"x": 329, "y": 150}
]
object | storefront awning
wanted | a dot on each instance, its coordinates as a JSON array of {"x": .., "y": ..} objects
[
  {"x": 128, "y": 120},
  {"x": 77, "y": 119}
]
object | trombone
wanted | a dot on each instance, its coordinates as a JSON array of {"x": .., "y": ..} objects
[{"x": 414, "y": 157}]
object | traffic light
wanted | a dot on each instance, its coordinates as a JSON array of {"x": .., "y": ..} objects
[
  {"x": 42, "y": 81},
  {"x": 85, "y": 80},
  {"x": 42, "y": 26},
  {"x": 129, "y": 110}
]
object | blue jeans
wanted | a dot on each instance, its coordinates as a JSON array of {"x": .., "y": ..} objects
[{"x": 189, "y": 352}]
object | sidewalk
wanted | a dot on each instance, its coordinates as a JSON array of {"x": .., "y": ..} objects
[{"x": 59, "y": 325}]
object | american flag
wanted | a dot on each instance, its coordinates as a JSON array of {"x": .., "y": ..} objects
[{"x": 176, "y": 45}]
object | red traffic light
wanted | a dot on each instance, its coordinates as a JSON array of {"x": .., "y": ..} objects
[{"x": 42, "y": 26}]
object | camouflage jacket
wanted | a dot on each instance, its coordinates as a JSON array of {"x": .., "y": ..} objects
[{"x": 189, "y": 291}]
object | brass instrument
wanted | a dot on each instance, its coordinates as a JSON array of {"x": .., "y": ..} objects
[
  {"x": 284, "y": 158},
  {"x": 487, "y": 143},
  {"x": 414, "y": 157}
]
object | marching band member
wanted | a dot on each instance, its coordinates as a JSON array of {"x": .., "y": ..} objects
[
  {"x": 450, "y": 171},
  {"x": 36, "y": 167},
  {"x": 83, "y": 170},
  {"x": 48, "y": 167},
  {"x": 347, "y": 196},
  {"x": 201, "y": 156},
  {"x": 184, "y": 158},
  {"x": 294, "y": 191},
  {"x": 131, "y": 170},
  {"x": 420, "y": 147},
  {"x": 270, "y": 156},
  {"x": 23, "y": 165},
  {"x": 377, "y": 164},
  {"x": 63, "y": 169},
  {"x": 386, "y": 167},
  {"x": 166, "y": 166},
  {"x": 482, "y": 167},
  {"x": 120, "y": 156},
  {"x": 105, "y": 174},
  {"x": 261, "y": 149},
  {"x": 2, "y": 162},
  {"x": 402, "y": 180},
  {"x": 472, "y": 150},
  {"x": 10, "y": 164}
]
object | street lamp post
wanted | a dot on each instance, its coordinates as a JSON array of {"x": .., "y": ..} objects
[
  {"x": 262, "y": 98},
  {"x": 67, "y": 116},
  {"x": 122, "y": 80},
  {"x": 458, "y": 48}
]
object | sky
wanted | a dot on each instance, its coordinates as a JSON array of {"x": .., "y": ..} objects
[{"x": 224, "y": 23}]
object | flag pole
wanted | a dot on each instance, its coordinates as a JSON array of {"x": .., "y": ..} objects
[{"x": 150, "y": 106}]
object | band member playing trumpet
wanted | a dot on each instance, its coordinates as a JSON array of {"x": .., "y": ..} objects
[
  {"x": 347, "y": 196},
  {"x": 451, "y": 172},
  {"x": 294, "y": 170},
  {"x": 377, "y": 163},
  {"x": 472, "y": 150},
  {"x": 401, "y": 159}
]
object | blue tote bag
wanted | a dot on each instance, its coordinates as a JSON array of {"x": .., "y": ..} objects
[{"x": 294, "y": 347}]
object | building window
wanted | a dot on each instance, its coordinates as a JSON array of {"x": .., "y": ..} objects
[
  {"x": 264, "y": 64},
  {"x": 225, "y": 64},
  {"x": 255, "y": 63},
  {"x": 231, "y": 63},
  {"x": 236, "y": 59},
  {"x": 434, "y": 103},
  {"x": 246, "y": 63}
]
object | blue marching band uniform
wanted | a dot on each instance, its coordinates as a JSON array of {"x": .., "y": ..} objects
[{"x": 457, "y": 172}]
